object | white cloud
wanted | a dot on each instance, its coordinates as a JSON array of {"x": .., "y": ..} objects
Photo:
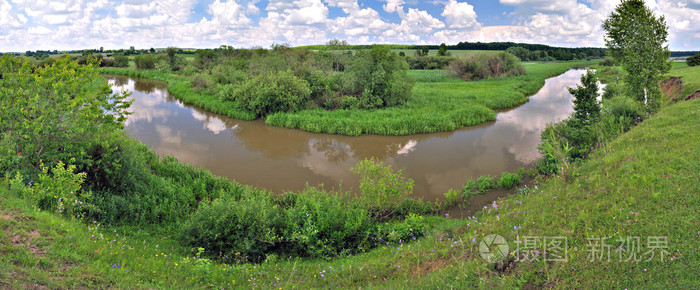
[
  {"x": 78, "y": 24},
  {"x": 229, "y": 14},
  {"x": 392, "y": 6},
  {"x": 460, "y": 15}
]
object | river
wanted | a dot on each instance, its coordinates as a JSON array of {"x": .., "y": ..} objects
[{"x": 283, "y": 159}]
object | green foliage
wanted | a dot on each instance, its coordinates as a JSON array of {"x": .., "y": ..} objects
[
  {"x": 383, "y": 191},
  {"x": 146, "y": 61},
  {"x": 378, "y": 78},
  {"x": 442, "y": 51},
  {"x": 310, "y": 223},
  {"x": 57, "y": 191},
  {"x": 270, "y": 93},
  {"x": 52, "y": 113},
  {"x": 612, "y": 90},
  {"x": 230, "y": 227},
  {"x": 121, "y": 60},
  {"x": 586, "y": 107},
  {"x": 520, "y": 52},
  {"x": 693, "y": 60},
  {"x": 621, "y": 106},
  {"x": 638, "y": 41},
  {"x": 428, "y": 62},
  {"x": 509, "y": 180},
  {"x": 483, "y": 66},
  {"x": 608, "y": 62}
]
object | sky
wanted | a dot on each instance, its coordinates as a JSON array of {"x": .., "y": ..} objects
[{"x": 78, "y": 24}]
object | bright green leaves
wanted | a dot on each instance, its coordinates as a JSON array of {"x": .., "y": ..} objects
[{"x": 51, "y": 113}]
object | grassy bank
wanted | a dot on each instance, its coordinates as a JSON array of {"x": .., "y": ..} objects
[
  {"x": 438, "y": 102},
  {"x": 643, "y": 184}
]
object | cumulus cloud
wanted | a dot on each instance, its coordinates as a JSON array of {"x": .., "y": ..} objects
[
  {"x": 79, "y": 24},
  {"x": 460, "y": 15}
]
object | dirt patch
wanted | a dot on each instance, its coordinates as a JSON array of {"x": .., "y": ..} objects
[
  {"x": 693, "y": 96},
  {"x": 505, "y": 266},
  {"x": 428, "y": 266},
  {"x": 27, "y": 242},
  {"x": 672, "y": 88}
]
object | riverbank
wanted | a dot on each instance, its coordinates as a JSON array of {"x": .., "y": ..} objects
[
  {"x": 438, "y": 102},
  {"x": 639, "y": 193}
]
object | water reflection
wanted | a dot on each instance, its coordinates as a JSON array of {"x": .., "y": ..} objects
[{"x": 283, "y": 159}]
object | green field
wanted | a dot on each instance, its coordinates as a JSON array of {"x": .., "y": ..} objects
[{"x": 643, "y": 184}]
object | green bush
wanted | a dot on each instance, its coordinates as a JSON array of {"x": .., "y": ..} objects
[
  {"x": 120, "y": 60},
  {"x": 484, "y": 65},
  {"x": 612, "y": 90},
  {"x": 608, "y": 62},
  {"x": 145, "y": 61},
  {"x": 693, "y": 60},
  {"x": 272, "y": 92},
  {"x": 378, "y": 78},
  {"x": 382, "y": 190},
  {"x": 230, "y": 227},
  {"x": 624, "y": 106}
]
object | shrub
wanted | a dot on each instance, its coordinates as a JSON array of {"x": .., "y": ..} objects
[
  {"x": 483, "y": 66},
  {"x": 379, "y": 78},
  {"x": 612, "y": 90},
  {"x": 228, "y": 227},
  {"x": 608, "y": 62},
  {"x": 272, "y": 92},
  {"x": 382, "y": 190},
  {"x": 625, "y": 107},
  {"x": 201, "y": 82},
  {"x": 120, "y": 60},
  {"x": 693, "y": 60},
  {"x": 323, "y": 224},
  {"x": 145, "y": 61}
]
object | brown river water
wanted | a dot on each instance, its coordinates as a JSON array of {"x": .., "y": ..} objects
[{"x": 283, "y": 159}]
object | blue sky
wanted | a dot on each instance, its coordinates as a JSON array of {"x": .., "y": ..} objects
[{"x": 78, "y": 24}]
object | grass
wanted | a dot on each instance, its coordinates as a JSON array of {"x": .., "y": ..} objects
[
  {"x": 438, "y": 102},
  {"x": 643, "y": 184},
  {"x": 690, "y": 77}
]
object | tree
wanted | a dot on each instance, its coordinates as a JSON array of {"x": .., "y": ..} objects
[
  {"x": 171, "y": 51},
  {"x": 102, "y": 49},
  {"x": 51, "y": 113},
  {"x": 424, "y": 51},
  {"x": 693, "y": 60},
  {"x": 337, "y": 47},
  {"x": 636, "y": 39},
  {"x": 442, "y": 51},
  {"x": 586, "y": 106}
]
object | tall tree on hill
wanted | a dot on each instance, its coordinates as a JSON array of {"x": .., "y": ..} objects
[{"x": 637, "y": 40}]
